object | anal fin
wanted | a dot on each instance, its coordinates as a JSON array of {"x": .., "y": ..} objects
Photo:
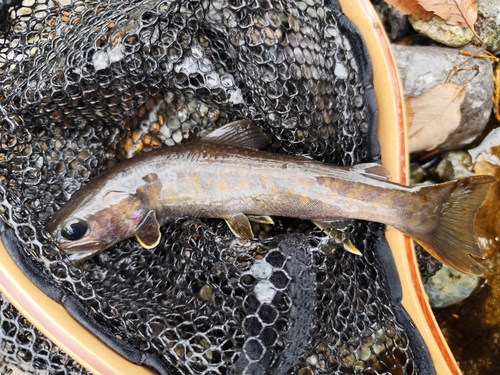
[
  {"x": 349, "y": 247},
  {"x": 239, "y": 225},
  {"x": 332, "y": 228}
]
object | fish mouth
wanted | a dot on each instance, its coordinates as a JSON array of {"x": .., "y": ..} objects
[
  {"x": 79, "y": 256},
  {"x": 82, "y": 249}
]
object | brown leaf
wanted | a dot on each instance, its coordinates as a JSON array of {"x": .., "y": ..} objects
[
  {"x": 496, "y": 92},
  {"x": 411, "y": 7},
  {"x": 487, "y": 222},
  {"x": 461, "y": 13},
  {"x": 433, "y": 115}
]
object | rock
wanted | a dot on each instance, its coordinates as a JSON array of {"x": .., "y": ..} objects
[
  {"x": 422, "y": 67},
  {"x": 454, "y": 165},
  {"x": 488, "y": 23},
  {"x": 438, "y": 30},
  {"x": 395, "y": 23},
  {"x": 487, "y": 27},
  {"x": 417, "y": 174},
  {"x": 485, "y": 147},
  {"x": 448, "y": 287}
]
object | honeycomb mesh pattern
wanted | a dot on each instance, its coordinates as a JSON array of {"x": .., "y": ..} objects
[
  {"x": 427, "y": 265},
  {"x": 24, "y": 349},
  {"x": 84, "y": 84}
]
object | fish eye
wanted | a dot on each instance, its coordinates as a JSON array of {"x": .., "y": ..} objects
[{"x": 74, "y": 229}]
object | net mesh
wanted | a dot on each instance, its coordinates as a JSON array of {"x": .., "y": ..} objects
[
  {"x": 24, "y": 349},
  {"x": 84, "y": 84}
]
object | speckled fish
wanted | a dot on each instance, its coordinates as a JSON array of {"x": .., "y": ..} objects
[{"x": 224, "y": 175}]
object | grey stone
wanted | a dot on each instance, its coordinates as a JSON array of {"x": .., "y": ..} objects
[
  {"x": 423, "y": 67},
  {"x": 454, "y": 165},
  {"x": 448, "y": 287},
  {"x": 438, "y": 30},
  {"x": 395, "y": 23},
  {"x": 488, "y": 23}
]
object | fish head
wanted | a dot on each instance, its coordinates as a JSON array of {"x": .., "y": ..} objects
[{"x": 91, "y": 223}]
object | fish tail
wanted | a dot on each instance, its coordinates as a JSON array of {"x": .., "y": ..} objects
[{"x": 451, "y": 239}]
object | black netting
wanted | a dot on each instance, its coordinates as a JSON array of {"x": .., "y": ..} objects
[
  {"x": 25, "y": 350},
  {"x": 86, "y": 83},
  {"x": 427, "y": 265}
]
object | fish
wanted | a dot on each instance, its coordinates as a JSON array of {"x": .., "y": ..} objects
[{"x": 226, "y": 175}]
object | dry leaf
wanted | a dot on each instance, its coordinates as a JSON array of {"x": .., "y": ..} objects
[
  {"x": 461, "y": 13},
  {"x": 411, "y": 7},
  {"x": 433, "y": 115},
  {"x": 496, "y": 92},
  {"x": 487, "y": 223}
]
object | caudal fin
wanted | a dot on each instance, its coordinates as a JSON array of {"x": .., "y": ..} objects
[{"x": 452, "y": 240}]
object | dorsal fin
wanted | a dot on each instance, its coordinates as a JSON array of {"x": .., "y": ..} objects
[
  {"x": 239, "y": 133},
  {"x": 373, "y": 170}
]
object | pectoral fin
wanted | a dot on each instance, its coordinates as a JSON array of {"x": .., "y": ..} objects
[
  {"x": 148, "y": 234},
  {"x": 239, "y": 225},
  {"x": 332, "y": 229}
]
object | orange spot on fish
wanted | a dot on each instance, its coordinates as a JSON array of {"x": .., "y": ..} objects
[
  {"x": 410, "y": 208},
  {"x": 350, "y": 196},
  {"x": 388, "y": 202},
  {"x": 305, "y": 198},
  {"x": 222, "y": 186},
  {"x": 276, "y": 189},
  {"x": 244, "y": 184},
  {"x": 289, "y": 191},
  {"x": 196, "y": 180},
  {"x": 263, "y": 181}
]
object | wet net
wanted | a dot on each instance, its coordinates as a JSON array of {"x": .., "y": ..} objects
[
  {"x": 85, "y": 84},
  {"x": 24, "y": 349}
]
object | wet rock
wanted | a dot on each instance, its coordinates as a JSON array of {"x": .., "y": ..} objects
[
  {"x": 487, "y": 27},
  {"x": 485, "y": 148},
  {"x": 417, "y": 174},
  {"x": 422, "y": 67},
  {"x": 454, "y": 165},
  {"x": 448, "y": 287},
  {"x": 488, "y": 23},
  {"x": 438, "y": 30},
  {"x": 395, "y": 23}
]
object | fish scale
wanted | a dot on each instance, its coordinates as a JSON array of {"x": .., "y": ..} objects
[{"x": 204, "y": 179}]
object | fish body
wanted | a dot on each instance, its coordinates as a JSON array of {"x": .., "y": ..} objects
[{"x": 223, "y": 176}]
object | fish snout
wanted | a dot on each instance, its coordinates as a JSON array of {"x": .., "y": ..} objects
[{"x": 80, "y": 249}]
